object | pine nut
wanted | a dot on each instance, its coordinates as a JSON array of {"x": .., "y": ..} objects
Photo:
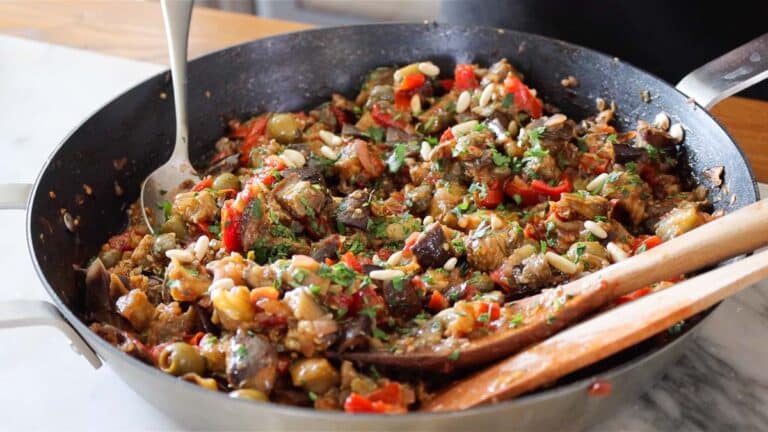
[
  {"x": 416, "y": 104},
  {"x": 426, "y": 150},
  {"x": 428, "y": 219},
  {"x": 183, "y": 256},
  {"x": 597, "y": 183},
  {"x": 429, "y": 69},
  {"x": 677, "y": 132},
  {"x": 462, "y": 103},
  {"x": 496, "y": 223},
  {"x": 451, "y": 263},
  {"x": 329, "y": 153},
  {"x": 616, "y": 252},
  {"x": 561, "y": 263},
  {"x": 555, "y": 120},
  {"x": 386, "y": 274},
  {"x": 201, "y": 247},
  {"x": 595, "y": 229},
  {"x": 464, "y": 128},
  {"x": 485, "y": 96},
  {"x": 395, "y": 258},
  {"x": 330, "y": 138},
  {"x": 661, "y": 121},
  {"x": 293, "y": 159}
]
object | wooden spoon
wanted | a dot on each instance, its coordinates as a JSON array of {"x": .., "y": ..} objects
[
  {"x": 600, "y": 337},
  {"x": 545, "y": 314}
]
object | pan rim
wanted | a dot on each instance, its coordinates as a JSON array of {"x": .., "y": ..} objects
[{"x": 522, "y": 401}]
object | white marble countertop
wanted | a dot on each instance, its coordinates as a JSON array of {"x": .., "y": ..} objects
[{"x": 720, "y": 384}]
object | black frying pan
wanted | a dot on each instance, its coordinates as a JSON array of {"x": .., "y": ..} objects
[{"x": 298, "y": 71}]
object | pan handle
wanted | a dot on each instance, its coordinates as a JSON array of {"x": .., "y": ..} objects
[
  {"x": 28, "y": 313},
  {"x": 728, "y": 74}
]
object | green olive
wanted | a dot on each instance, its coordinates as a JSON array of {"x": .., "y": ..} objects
[
  {"x": 252, "y": 394},
  {"x": 164, "y": 242},
  {"x": 180, "y": 358},
  {"x": 226, "y": 181},
  {"x": 111, "y": 257},
  {"x": 284, "y": 128},
  {"x": 175, "y": 224}
]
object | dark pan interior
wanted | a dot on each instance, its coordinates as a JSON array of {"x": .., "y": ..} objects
[{"x": 298, "y": 71}]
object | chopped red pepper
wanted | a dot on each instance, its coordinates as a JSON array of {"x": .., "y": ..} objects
[
  {"x": 372, "y": 165},
  {"x": 121, "y": 242},
  {"x": 356, "y": 403},
  {"x": 600, "y": 388},
  {"x": 250, "y": 136},
  {"x": 230, "y": 227},
  {"x": 644, "y": 242},
  {"x": 553, "y": 192},
  {"x": 492, "y": 311},
  {"x": 351, "y": 260},
  {"x": 385, "y": 119},
  {"x": 341, "y": 115},
  {"x": 464, "y": 77},
  {"x": 411, "y": 82},
  {"x": 494, "y": 194},
  {"x": 195, "y": 339},
  {"x": 437, "y": 301},
  {"x": 446, "y": 84},
  {"x": 447, "y": 135},
  {"x": 524, "y": 98},
  {"x": 499, "y": 278},
  {"x": 410, "y": 241},
  {"x": 593, "y": 164},
  {"x": 634, "y": 295},
  {"x": 390, "y": 394},
  {"x": 203, "y": 184},
  {"x": 517, "y": 187}
]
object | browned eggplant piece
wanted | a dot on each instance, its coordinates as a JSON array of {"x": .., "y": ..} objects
[
  {"x": 353, "y": 211},
  {"x": 102, "y": 289},
  {"x": 356, "y": 334},
  {"x": 379, "y": 76},
  {"x": 655, "y": 136},
  {"x": 488, "y": 251},
  {"x": 326, "y": 248},
  {"x": 440, "y": 115},
  {"x": 403, "y": 300},
  {"x": 396, "y": 135},
  {"x": 300, "y": 198},
  {"x": 625, "y": 153},
  {"x": 123, "y": 340},
  {"x": 308, "y": 173},
  {"x": 251, "y": 362},
  {"x": 418, "y": 198},
  {"x": 432, "y": 248},
  {"x": 170, "y": 324},
  {"x": 498, "y": 124}
]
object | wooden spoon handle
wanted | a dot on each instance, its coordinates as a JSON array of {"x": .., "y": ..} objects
[
  {"x": 736, "y": 233},
  {"x": 600, "y": 337}
]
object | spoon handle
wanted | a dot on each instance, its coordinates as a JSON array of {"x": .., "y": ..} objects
[
  {"x": 600, "y": 337},
  {"x": 177, "y": 15}
]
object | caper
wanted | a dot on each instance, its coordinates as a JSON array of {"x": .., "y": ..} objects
[
  {"x": 175, "y": 224},
  {"x": 226, "y": 181},
  {"x": 180, "y": 358},
  {"x": 110, "y": 258},
  {"x": 284, "y": 128},
  {"x": 251, "y": 394}
]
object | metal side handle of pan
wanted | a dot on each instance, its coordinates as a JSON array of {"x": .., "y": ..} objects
[
  {"x": 29, "y": 313},
  {"x": 728, "y": 74}
]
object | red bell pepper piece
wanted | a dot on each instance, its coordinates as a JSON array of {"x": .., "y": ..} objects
[
  {"x": 499, "y": 278},
  {"x": 341, "y": 116},
  {"x": 351, "y": 260},
  {"x": 122, "y": 242},
  {"x": 437, "y": 301},
  {"x": 464, "y": 77},
  {"x": 593, "y": 164},
  {"x": 230, "y": 227},
  {"x": 385, "y": 119},
  {"x": 446, "y": 84},
  {"x": 411, "y": 82},
  {"x": 203, "y": 184},
  {"x": 552, "y": 192},
  {"x": 524, "y": 99},
  {"x": 492, "y": 310},
  {"x": 250, "y": 136},
  {"x": 447, "y": 135},
  {"x": 356, "y": 403},
  {"x": 517, "y": 187},
  {"x": 390, "y": 394},
  {"x": 644, "y": 242},
  {"x": 494, "y": 194},
  {"x": 634, "y": 295}
]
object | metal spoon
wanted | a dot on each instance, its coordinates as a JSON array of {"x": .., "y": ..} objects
[{"x": 178, "y": 170}]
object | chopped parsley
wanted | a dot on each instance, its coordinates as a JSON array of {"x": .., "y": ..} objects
[
  {"x": 612, "y": 138},
  {"x": 454, "y": 355},
  {"x": 534, "y": 135},
  {"x": 166, "y": 207},
  {"x": 580, "y": 248},
  {"x": 480, "y": 189},
  {"x": 516, "y": 320},
  {"x": 380, "y": 334},
  {"x": 543, "y": 246},
  {"x": 499, "y": 159},
  {"x": 312, "y": 396},
  {"x": 397, "y": 283},
  {"x": 241, "y": 352},
  {"x": 507, "y": 101},
  {"x": 256, "y": 210},
  {"x": 397, "y": 157},
  {"x": 375, "y": 133},
  {"x": 484, "y": 317}
]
